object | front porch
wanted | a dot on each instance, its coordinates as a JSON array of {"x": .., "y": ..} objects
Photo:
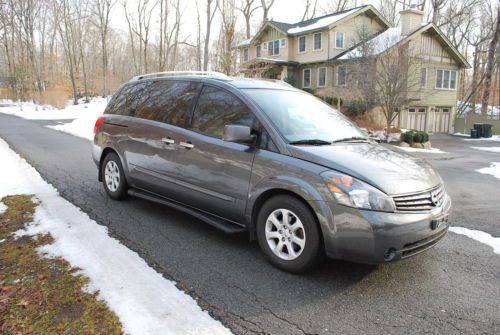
[{"x": 270, "y": 69}]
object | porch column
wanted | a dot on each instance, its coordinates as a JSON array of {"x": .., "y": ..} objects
[{"x": 284, "y": 72}]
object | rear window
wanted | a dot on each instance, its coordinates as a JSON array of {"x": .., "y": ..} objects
[{"x": 165, "y": 101}]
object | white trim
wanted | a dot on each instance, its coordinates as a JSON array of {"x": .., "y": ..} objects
[
  {"x": 326, "y": 75},
  {"x": 337, "y": 76},
  {"x": 298, "y": 44},
  {"x": 310, "y": 77},
  {"x": 449, "y": 80},
  {"x": 320, "y": 41},
  {"x": 283, "y": 42},
  {"x": 343, "y": 40}
]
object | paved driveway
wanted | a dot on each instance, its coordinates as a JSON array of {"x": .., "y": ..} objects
[{"x": 452, "y": 289}]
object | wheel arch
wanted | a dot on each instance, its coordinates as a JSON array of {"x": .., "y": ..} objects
[{"x": 270, "y": 193}]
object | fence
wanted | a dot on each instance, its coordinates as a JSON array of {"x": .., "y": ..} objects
[{"x": 464, "y": 123}]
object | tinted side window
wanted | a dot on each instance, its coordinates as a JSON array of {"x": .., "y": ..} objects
[
  {"x": 216, "y": 108},
  {"x": 161, "y": 100},
  {"x": 117, "y": 103},
  {"x": 170, "y": 101}
]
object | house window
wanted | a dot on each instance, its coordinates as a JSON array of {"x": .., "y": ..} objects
[
  {"x": 265, "y": 45},
  {"x": 339, "y": 40},
  {"x": 322, "y": 77},
  {"x": 341, "y": 75},
  {"x": 446, "y": 79},
  {"x": 302, "y": 43},
  {"x": 423, "y": 77},
  {"x": 283, "y": 42},
  {"x": 317, "y": 41},
  {"x": 257, "y": 51},
  {"x": 306, "y": 78},
  {"x": 274, "y": 47},
  {"x": 245, "y": 55}
]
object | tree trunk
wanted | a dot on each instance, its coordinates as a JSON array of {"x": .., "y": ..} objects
[{"x": 490, "y": 65}]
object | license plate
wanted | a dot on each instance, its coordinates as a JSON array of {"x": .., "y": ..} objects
[{"x": 436, "y": 223}]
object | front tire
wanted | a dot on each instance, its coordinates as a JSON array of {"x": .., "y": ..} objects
[
  {"x": 113, "y": 179},
  {"x": 288, "y": 234}
]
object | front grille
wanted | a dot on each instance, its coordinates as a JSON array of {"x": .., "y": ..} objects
[{"x": 422, "y": 201}]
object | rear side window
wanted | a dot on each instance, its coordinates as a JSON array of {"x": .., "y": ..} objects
[
  {"x": 161, "y": 100},
  {"x": 217, "y": 108}
]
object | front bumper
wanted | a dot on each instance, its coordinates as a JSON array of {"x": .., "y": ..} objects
[{"x": 375, "y": 237}]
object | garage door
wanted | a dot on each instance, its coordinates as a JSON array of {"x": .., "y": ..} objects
[
  {"x": 417, "y": 118},
  {"x": 442, "y": 119}
]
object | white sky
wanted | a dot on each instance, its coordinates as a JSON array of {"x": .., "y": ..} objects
[{"x": 282, "y": 10}]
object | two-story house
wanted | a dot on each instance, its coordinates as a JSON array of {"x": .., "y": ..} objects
[{"x": 317, "y": 53}]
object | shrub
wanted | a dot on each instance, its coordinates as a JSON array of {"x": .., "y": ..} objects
[{"x": 413, "y": 136}]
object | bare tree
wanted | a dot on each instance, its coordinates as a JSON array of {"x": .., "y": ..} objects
[
  {"x": 103, "y": 14},
  {"x": 310, "y": 10},
  {"x": 390, "y": 9},
  {"x": 210, "y": 13},
  {"x": 493, "y": 47},
  {"x": 437, "y": 6},
  {"x": 248, "y": 8},
  {"x": 226, "y": 38},
  {"x": 266, "y": 6},
  {"x": 333, "y": 6}
]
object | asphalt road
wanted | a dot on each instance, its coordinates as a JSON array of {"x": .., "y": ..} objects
[{"x": 453, "y": 289}]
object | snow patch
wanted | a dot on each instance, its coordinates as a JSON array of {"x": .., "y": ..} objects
[
  {"x": 494, "y": 138},
  {"x": 321, "y": 23},
  {"x": 479, "y": 236},
  {"x": 82, "y": 117},
  {"x": 3, "y": 208},
  {"x": 430, "y": 151},
  {"x": 144, "y": 301},
  {"x": 493, "y": 169},
  {"x": 491, "y": 149}
]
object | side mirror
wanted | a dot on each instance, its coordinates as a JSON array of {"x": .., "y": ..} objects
[{"x": 237, "y": 133}]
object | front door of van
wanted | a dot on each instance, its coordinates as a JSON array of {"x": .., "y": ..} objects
[{"x": 213, "y": 174}]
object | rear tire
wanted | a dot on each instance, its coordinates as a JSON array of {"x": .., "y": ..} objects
[
  {"x": 288, "y": 234},
  {"x": 113, "y": 178}
]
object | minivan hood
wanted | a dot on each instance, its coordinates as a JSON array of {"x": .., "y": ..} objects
[{"x": 390, "y": 170}]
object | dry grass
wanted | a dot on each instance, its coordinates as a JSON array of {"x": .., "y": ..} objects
[{"x": 40, "y": 295}]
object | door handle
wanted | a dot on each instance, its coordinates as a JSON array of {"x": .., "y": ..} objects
[
  {"x": 187, "y": 145},
  {"x": 167, "y": 140}
]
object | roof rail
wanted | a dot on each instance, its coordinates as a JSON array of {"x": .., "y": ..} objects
[{"x": 216, "y": 75}]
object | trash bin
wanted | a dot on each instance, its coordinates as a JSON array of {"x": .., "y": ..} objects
[
  {"x": 487, "y": 130},
  {"x": 473, "y": 133},
  {"x": 479, "y": 128}
]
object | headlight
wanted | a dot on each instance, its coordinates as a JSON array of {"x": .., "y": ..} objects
[{"x": 351, "y": 192}]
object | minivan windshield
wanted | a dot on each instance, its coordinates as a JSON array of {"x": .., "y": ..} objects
[{"x": 304, "y": 119}]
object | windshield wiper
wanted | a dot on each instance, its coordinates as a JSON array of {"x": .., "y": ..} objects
[
  {"x": 310, "y": 142},
  {"x": 348, "y": 139}
]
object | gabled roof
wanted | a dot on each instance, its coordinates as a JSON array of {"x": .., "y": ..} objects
[
  {"x": 392, "y": 37},
  {"x": 316, "y": 24}
]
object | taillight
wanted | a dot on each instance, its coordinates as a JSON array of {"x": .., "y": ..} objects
[{"x": 98, "y": 123}]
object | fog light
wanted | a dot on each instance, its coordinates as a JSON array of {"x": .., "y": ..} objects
[{"x": 390, "y": 254}]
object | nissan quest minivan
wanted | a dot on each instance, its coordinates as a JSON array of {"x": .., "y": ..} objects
[{"x": 261, "y": 157}]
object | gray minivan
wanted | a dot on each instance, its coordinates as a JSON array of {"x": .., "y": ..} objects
[{"x": 259, "y": 156}]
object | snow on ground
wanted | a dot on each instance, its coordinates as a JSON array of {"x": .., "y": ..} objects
[
  {"x": 2, "y": 207},
  {"x": 493, "y": 169},
  {"x": 144, "y": 301},
  {"x": 479, "y": 236},
  {"x": 491, "y": 149},
  {"x": 431, "y": 151},
  {"x": 493, "y": 138},
  {"x": 81, "y": 117}
]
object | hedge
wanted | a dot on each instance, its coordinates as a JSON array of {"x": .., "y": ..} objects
[{"x": 414, "y": 136}]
